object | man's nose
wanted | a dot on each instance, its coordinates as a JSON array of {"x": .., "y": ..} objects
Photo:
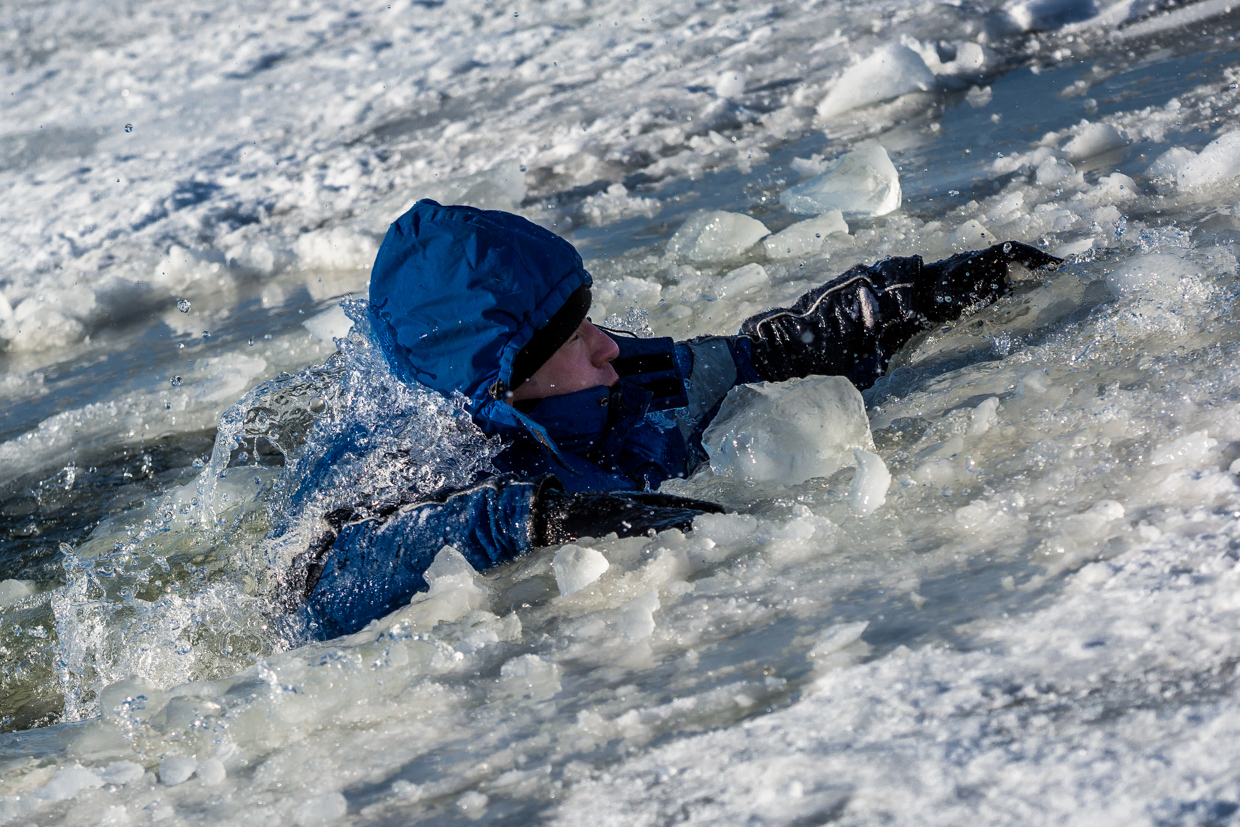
[{"x": 603, "y": 349}]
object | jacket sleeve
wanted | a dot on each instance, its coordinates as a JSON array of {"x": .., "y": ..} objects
[{"x": 376, "y": 565}]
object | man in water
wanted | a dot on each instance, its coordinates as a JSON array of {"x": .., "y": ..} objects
[{"x": 490, "y": 305}]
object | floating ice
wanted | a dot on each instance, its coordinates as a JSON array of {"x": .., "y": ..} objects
[
  {"x": 1170, "y": 162},
  {"x": 890, "y": 72},
  {"x": 531, "y": 676},
  {"x": 971, "y": 235},
  {"x": 788, "y": 432},
  {"x": 1093, "y": 139},
  {"x": 176, "y": 769},
  {"x": 1192, "y": 449},
  {"x": 716, "y": 235},
  {"x": 869, "y": 487},
  {"x": 805, "y": 237},
  {"x": 576, "y": 567},
  {"x": 68, "y": 782},
  {"x": 1218, "y": 162},
  {"x": 450, "y": 570},
  {"x": 860, "y": 184},
  {"x": 121, "y": 773},
  {"x": 742, "y": 280},
  {"x": 1149, "y": 274}
]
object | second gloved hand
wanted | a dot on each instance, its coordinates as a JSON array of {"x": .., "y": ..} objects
[
  {"x": 560, "y": 517},
  {"x": 946, "y": 288}
]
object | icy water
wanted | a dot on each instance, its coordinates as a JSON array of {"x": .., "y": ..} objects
[{"x": 1039, "y": 624}]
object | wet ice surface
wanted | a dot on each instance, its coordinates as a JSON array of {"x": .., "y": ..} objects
[{"x": 1007, "y": 596}]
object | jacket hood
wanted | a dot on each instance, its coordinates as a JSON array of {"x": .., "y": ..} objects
[{"x": 456, "y": 292}]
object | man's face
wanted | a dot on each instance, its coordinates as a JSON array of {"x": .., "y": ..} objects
[{"x": 584, "y": 361}]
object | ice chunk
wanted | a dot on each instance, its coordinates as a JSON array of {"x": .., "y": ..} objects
[
  {"x": 68, "y": 782},
  {"x": 12, "y": 591},
  {"x": 121, "y": 773},
  {"x": 985, "y": 415},
  {"x": 741, "y": 280},
  {"x": 1193, "y": 449},
  {"x": 328, "y": 325},
  {"x": 860, "y": 184},
  {"x": 531, "y": 676},
  {"x": 1149, "y": 273},
  {"x": 576, "y": 567},
  {"x": 890, "y": 72},
  {"x": 805, "y": 237},
  {"x": 211, "y": 772},
  {"x": 869, "y": 487},
  {"x": 321, "y": 809},
  {"x": 971, "y": 235},
  {"x": 716, "y": 235},
  {"x": 1219, "y": 161},
  {"x": 1170, "y": 162},
  {"x": 788, "y": 431},
  {"x": 449, "y": 570},
  {"x": 730, "y": 84},
  {"x": 1093, "y": 139},
  {"x": 636, "y": 621},
  {"x": 176, "y": 769}
]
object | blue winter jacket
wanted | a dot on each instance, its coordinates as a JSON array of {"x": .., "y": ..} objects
[{"x": 455, "y": 293}]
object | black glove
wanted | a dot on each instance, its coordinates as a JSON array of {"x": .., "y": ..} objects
[
  {"x": 560, "y": 517},
  {"x": 945, "y": 288},
  {"x": 852, "y": 325}
]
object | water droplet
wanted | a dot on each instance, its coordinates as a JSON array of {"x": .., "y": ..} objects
[
  {"x": 817, "y": 235},
  {"x": 954, "y": 193},
  {"x": 183, "y": 305},
  {"x": 251, "y": 343},
  {"x": 206, "y": 334},
  {"x": 1007, "y": 246},
  {"x": 516, "y": 14},
  {"x": 176, "y": 381},
  {"x": 129, "y": 127},
  {"x": 199, "y": 462},
  {"x": 317, "y": 405}
]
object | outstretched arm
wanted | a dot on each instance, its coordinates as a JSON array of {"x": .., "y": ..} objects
[{"x": 852, "y": 325}]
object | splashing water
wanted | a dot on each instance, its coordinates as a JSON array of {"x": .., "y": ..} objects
[{"x": 188, "y": 588}]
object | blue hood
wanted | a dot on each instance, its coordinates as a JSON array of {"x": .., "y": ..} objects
[{"x": 456, "y": 292}]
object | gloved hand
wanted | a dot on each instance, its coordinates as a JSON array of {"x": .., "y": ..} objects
[
  {"x": 945, "y": 288},
  {"x": 560, "y": 517}
]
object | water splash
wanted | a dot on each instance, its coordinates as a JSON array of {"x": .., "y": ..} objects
[{"x": 188, "y": 588}]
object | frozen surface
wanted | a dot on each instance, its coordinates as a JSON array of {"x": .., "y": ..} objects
[{"x": 1008, "y": 597}]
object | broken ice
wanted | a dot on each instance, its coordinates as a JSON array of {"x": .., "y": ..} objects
[{"x": 860, "y": 184}]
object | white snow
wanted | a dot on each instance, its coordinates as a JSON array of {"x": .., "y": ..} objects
[{"x": 862, "y": 183}]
